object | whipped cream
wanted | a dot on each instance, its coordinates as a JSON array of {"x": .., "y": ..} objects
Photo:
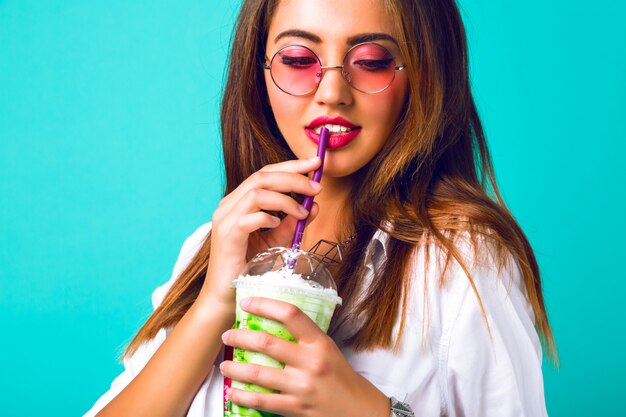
[{"x": 285, "y": 279}]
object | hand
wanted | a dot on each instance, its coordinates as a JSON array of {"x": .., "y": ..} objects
[
  {"x": 236, "y": 223},
  {"x": 317, "y": 380}
]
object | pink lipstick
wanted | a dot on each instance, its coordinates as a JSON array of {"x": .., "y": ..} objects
[{"x": 342, "y": 132}]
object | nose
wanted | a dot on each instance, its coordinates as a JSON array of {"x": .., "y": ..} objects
[{"x": 333, "y": 88}]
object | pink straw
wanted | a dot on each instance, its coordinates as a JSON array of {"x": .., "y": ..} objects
[{"x": 308, "y": 200}]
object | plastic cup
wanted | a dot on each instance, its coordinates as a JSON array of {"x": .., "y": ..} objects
[{"x": 296, "y": 277}]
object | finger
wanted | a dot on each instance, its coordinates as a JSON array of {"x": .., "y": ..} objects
[
  {"x": 280, "y": 182},
  {"x": 252, "y": 222},
  {"x": 260, "y": 341},
  {"x": 284, "y": 181},
  {"x": 315, "y": 210},
  {"x": 295, "y": 320},
  {"x": 301, "y": 166},
  {"x": 284, "y": 232},
  {"x": 257, "y": 200},
  {"x": 281, "y": 404},
  {"x": 264, "y": 376},
  {"x": 298, "y": 166}
]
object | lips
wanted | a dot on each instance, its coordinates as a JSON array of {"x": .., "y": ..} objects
[{"x": 342, "y": 132}]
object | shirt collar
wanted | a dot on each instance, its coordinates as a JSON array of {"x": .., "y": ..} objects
[{"x": 377, "y": 249}]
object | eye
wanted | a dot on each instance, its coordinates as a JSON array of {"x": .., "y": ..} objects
[
  {"x": 297, "y": 62},
  {"x": 373, "y": 64}
]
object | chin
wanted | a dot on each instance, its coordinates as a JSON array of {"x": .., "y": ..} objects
[
  {"x": 339, "y": 166},
  {"x": 338, "y": 163}
]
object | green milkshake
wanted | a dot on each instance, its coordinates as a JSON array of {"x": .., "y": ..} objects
[{"x": 296, "y": 277}]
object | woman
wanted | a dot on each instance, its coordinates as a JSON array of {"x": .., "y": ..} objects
[{"x": 443, "y": 307}]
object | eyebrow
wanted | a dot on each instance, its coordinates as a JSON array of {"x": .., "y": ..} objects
[{"x": 352, "y": 40}]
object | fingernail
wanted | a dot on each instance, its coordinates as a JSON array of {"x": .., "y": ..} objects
[
  {"x": 314, "y": 158},
  {"x": 229, "y": 392},
  {"x": 244, "y": 303},
  {"x": 303, "y": 210},
  {"x": 225, "y": 335},
  {"x": 315, "y": 185}
]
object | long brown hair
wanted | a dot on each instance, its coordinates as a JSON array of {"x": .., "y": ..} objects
[{"x": 432, "y": 181}]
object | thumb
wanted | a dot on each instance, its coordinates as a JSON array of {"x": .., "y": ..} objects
[
  {"x": 315, "y": 210},
  {"x": 283, "y": 234}
]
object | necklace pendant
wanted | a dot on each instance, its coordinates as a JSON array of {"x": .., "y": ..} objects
[{"x": 330, "y": 252}]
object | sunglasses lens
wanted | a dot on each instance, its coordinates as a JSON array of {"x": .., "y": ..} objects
[
  {"x": 296, "y": 70},
  {"x": 369, "y": 68}
]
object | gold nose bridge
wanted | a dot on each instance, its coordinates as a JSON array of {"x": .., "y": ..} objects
[{"x": 344, "y": 74}]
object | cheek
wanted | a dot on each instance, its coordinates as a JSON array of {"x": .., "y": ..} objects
[
  {"x": 284, "y": 107},
  {"x": 394, "y": 98},
  {"x": 271, "y": 91},
  {"x": 383, "y": 112},
  {"x": 385, "y": 107}
]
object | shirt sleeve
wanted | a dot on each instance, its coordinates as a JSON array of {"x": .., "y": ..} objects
[
  {"x": 135, "y": 363},
  {"x": 492, "y": 371}
]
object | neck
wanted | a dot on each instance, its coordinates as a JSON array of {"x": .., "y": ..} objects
[{"x": 334, "y": 220}]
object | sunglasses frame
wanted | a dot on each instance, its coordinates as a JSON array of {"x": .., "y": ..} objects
[{"x": 327, "y": 67}]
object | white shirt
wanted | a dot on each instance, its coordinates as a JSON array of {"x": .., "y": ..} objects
[{"x": 452, "y": 369}]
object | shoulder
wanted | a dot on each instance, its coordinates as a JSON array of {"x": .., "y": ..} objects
[
  {"x": 479, "y": 284},
  {"x": 470, "y": 330},
  {"x": 474, "y": 254},
  {"x": 478, "y": 260},
  {"x": 190, "y": 247},
  {"x": 488, "y": 341},
  {"x": 482, "y": 284},
  {"x": 477, "y": 301}
]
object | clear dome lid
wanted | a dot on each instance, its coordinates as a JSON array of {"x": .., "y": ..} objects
[{"x": 297, "y": 270}]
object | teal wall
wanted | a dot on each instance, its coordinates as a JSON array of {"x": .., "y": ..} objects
[{"x": 110, "y": 157}]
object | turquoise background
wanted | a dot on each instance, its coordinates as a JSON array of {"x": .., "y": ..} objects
[{"x": 110, "y": 157}]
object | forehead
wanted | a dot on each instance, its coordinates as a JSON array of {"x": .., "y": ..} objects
[{"x": 331, "y": 20}]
